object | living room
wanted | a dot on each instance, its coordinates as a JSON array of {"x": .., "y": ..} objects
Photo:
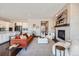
[{"x": 39, "y": 29}]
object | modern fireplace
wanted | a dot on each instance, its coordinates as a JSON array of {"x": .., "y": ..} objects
[{"x": 61, "y": 34}]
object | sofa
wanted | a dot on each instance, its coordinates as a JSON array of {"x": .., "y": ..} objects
[{"x": 23, "y": 42}]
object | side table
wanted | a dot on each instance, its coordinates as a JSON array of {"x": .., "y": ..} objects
[{"x": 60, "y": 48}]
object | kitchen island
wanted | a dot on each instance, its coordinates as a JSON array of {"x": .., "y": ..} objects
[{"x": 4, "y": 42}]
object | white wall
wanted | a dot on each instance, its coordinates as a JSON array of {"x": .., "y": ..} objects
[
  {"x": 74, "y": 32},
  {"x": 34, "y": 21},
  {"x": 4, "y": 24}
]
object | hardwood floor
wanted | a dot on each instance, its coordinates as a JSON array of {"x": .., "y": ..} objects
[
  {"x": 35, "y": 49},
  {"x": 4, "y": 49}
]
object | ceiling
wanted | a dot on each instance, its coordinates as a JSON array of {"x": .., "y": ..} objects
[{"x": 26, "y": 11}]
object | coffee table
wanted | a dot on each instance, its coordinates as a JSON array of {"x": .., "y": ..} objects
[{"x": 42, "y": 40}]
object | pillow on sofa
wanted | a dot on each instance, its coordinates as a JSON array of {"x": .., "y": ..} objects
[
  {"x": 13, "y": 37},
  {"x": 23, "y": 37}
]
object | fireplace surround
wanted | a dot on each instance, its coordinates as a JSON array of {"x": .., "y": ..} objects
[{"x": 62, "y": 33}]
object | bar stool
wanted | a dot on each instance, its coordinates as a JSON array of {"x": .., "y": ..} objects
[{"x": 60, "y": 48}]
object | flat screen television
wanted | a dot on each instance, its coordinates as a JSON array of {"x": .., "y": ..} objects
[{"x": 61, "y": 34}]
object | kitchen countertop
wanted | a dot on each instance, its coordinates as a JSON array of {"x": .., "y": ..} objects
[{"x": 5, "y": 36}]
